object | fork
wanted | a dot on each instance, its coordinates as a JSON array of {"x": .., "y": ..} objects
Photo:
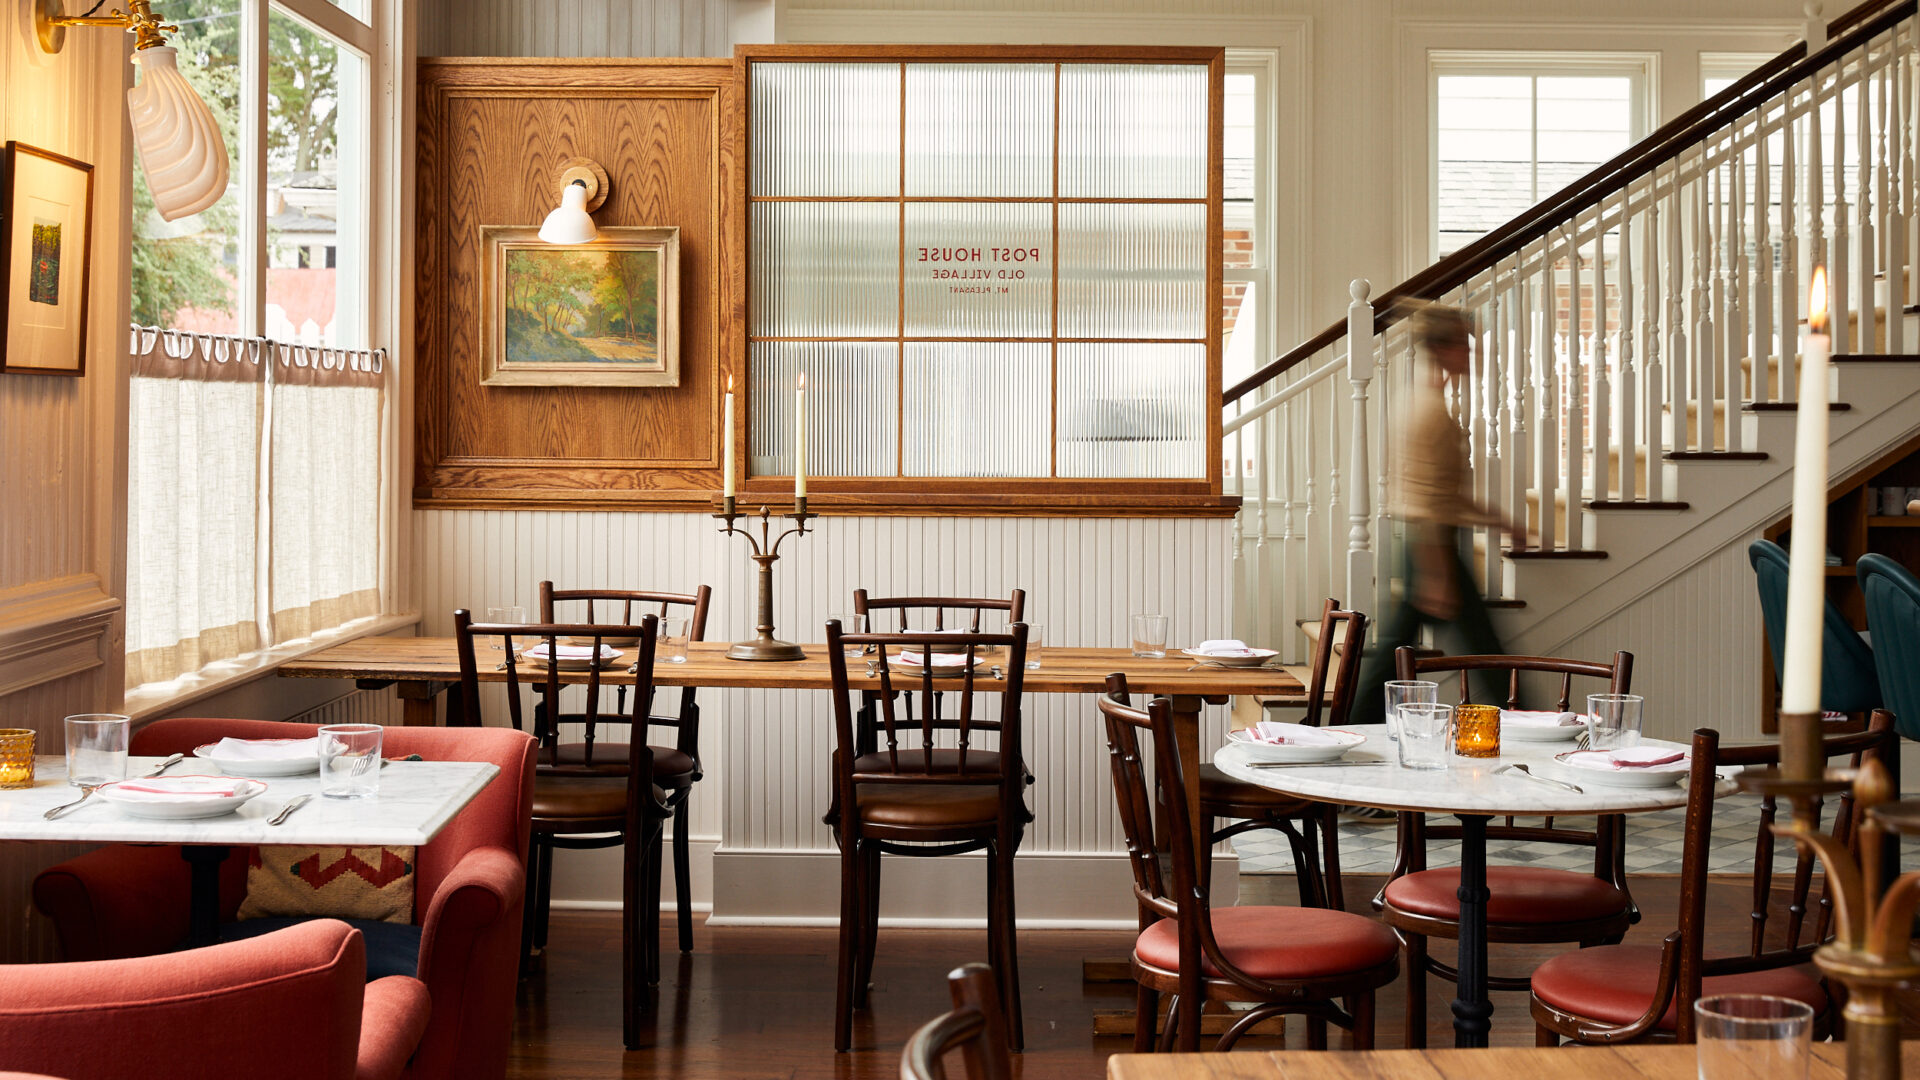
[{"x": 86, "y": 792}]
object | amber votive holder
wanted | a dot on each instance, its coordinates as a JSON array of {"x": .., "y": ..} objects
[
  {"x": 1476, "y": 731},
  {"x": 16, "y": 757}
]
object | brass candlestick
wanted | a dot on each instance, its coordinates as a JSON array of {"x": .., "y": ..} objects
[
  {"x": 1872, "y": 949},
  {"x": 766, "y": 552}
]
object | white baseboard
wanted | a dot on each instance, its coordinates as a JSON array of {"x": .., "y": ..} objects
[
  {"x": 590, "y": 880},
  {"x": 1053, "y": 890}
]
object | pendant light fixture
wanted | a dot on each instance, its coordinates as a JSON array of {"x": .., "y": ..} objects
[{"x": 178, "y": 140}]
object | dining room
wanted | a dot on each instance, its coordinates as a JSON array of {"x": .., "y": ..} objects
[{"x": 987, "y": 445}]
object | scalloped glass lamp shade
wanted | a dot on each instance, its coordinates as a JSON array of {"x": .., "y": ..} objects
[
  {"x": 181, "y": 150},
  {"x": 570, "y": 223}
]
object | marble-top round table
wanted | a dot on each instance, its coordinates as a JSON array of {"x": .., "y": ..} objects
[{"x": 1470, "y": 790}]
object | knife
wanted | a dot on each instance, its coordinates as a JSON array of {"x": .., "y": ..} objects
[
  {"x": 1313, "y": 764},
  {"x": 293, "y": 804}
]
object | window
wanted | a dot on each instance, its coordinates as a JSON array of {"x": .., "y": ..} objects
[
  {"x": 1244, "y": 257},
  {"x": 1510, "y": 131},
  {"x": 257, "y": 411},
  {"x": 984, "y": 269}
]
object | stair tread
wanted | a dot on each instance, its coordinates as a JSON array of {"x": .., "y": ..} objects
[
  {"x": 1792, "y": 406},
  {"x": 1876, "y": 358},
  {"x": 1637, "y": 504},
  {"x": 1555, "y": 553},
  {"x": 1716, "y": 455}
]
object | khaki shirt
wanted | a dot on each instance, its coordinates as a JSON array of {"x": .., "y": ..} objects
[{"x": 1433, "y": 483}]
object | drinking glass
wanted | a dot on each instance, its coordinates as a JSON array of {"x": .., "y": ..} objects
[
  {"x": 1476, "y": 731},
  {"x": 96, "y": 748},
  {"x": 851, "y": 624},
  {"x": 350, "y": 760},
  {"x": 1036, "y": 637},
  {"x": 1613, "y": 721},
  {"x": 1149, "y": 635},
  {"x": 1749, "y": 1036},
  {"x": 1407, "y": 692},
  {"x": 671, "y": 646},
  {"x": 1425, "y": 728},
  {"x": 514, "y": 614}
]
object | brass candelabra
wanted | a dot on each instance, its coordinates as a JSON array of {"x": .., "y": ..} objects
[
  {"x": 766, "y": 552},
  {"x": 1871, "y": 953}
]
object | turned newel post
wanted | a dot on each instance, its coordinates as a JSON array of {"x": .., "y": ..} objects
[
  {"x": 1816, "y": 26},
  {"x": 1360, "y": 561}
]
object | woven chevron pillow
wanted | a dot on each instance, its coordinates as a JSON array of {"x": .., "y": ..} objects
[{"x": 338, "y": 882}]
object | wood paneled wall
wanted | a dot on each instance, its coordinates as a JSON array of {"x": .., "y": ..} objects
[{"x": 492, "y": 136}]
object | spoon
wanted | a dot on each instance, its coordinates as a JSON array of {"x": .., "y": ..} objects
[{"x": 1521, "y": 768}]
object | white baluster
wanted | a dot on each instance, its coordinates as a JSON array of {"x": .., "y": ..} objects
[
  {"x": 1679, "y": 359},
  {"x": 1864, "y": 246},
  {"x": 1787, "y": 337},
  {"x": 1360, "y": 346},
  {"x": 1335, "y": 537},
  {"x": 1762, "y": 345},
  {"x": 1896, "y": 204},
  {"x": 1287, "y": 561},
  {"x": 1384, "y": 399},
  {"x": 1493, "y": 356},
  {"x": 1576, "y": 402},
  {"x": 1629, "y": 367},
  {"x": 1546, "y": 442},
  {"x": 1733, "y": 272},
  {"x": 1653, "y": 380},
  {"x": 1816, "y": 31},
  {"x": 1309, "y": 562},
  {"x": 1701, "y": 397},
  {"x": 1600, "y": 397},
  {"x": 1519, "y": 372},
  {"x": 1838, "y": 279}
]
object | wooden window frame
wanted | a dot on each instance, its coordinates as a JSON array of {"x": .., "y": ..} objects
[{"x": 1198, "y": 496}]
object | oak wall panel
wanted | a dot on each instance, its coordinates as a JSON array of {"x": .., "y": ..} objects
[{"x": 492, "y": 137}]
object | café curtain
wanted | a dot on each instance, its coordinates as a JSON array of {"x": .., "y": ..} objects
[{"x": 253, "y": 496}]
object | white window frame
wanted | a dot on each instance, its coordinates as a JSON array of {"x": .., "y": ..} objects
[
  {"x": 1639, "y": 67},
  {"x": 1263, "y": 65}
]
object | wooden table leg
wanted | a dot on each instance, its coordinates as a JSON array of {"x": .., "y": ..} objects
[
  {"x": 1472, "y": 1012},
  {"x": 417, "y": 703}
]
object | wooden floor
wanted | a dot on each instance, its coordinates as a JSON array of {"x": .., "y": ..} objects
[{"x": 757, "y": 1002}]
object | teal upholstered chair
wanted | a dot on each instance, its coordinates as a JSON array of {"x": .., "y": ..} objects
[
  {"x": 1849, "y": 682},
  {"x": 1893, "y": 614}
]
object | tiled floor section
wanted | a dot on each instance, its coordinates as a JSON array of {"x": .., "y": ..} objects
[{"x": 1654, "y": 842}]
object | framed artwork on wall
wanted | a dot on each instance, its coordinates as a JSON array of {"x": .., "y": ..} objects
[
  {"x": 598, "y": 314},
  {"x": 46, "y": 239}
]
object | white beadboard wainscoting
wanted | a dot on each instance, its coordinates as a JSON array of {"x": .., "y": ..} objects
[{"x": 766, "y": 752}]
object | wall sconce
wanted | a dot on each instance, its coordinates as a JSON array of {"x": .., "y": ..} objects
[
  {"x": 583, "y": 187},
  {"x": 180, "y": 147}
]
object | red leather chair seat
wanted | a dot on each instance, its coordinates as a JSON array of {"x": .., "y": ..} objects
[
  {"x": 611, "y": 759},
  {"x": 1516, "y": 895},
  {"x": 1218, "y": 788},
  {"x": 929, "y": 805},
  {"x": 1279, "y": 943},
  {"x": 913, "y": 759},
  {"x": 1613, "y": 984}
]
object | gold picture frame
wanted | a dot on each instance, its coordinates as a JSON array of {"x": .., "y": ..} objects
[
  {"x": 600, "y": 314},
  {"x": 46, "y": 247}
]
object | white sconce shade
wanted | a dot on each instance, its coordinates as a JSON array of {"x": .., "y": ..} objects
[
  {"x": 570, "y": 223},
  {"x": 181, "y": 150}
]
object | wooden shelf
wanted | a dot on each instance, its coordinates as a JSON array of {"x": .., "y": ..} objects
[{"x": 1893, "y": 523}]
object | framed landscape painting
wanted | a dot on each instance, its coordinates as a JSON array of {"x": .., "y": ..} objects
[
  {"x": 599, "y": 314},
  {"x": 47, "y": 200}
]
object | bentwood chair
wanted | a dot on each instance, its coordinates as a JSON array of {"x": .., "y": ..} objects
[
  {"x": 1893, "y": 614},
  {"x": 587, "y": 811},
  {"x": 1624, "y": 993},
  {"x": 976, "y": 1028},
  {"x": 676, "y": 768},
  {"x": 1250, "y": 806},
  {"x": 1527, "y": 904},
  {"x": 1848, "y": 680},
  {"x": 1284, "y": 960},
  {"x": 911, "y": 798}
]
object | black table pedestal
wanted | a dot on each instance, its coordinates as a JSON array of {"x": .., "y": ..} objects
[
  {"x": 1472, "y": 1012},
  {"x": 203, "y": 905}
]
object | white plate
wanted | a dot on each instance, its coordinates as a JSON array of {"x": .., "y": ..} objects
[
  {"x": 572, "y": 657},
  {"x": 1249, "y": 658},
  {"x": 1328, "y": 751},
  {"x": 1540, "y": 733},
  {"x": 191, "y": 800},
  {"x": 1596, "y": 767},
  {"x": 257, "y": 767}
]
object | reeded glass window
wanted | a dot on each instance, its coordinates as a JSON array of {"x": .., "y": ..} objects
[{"x": 983, "y": 269}]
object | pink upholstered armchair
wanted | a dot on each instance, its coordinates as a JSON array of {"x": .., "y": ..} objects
[
  {"x": 294, "y": 1005},
  {"x": 128, "y": 900}
]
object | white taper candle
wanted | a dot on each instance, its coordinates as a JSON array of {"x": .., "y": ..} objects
[
  {"x": 1807, "y": 571},
  {"x": 726, "y": 441},
  {"x": 800, "y": 438}
]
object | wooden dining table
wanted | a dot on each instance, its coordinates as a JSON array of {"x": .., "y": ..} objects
[{"x": 1632, "y": 1062}]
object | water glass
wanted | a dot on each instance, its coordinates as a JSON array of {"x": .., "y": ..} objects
[
  {"x": 514, "y": 614},
  {"x": 1407, "y": 692},
  {"x": 1613, "y": 721},
  {"x": 350, "y": 760},
  {"x": 1426, "y": 730},
  {"x": 1036, "y": 637},
  {"x": 851, "y": 624},
  {"x": 1149, "y": 636},
  {"x": 96, "y": 748},
  {"x": 1748, "y": 1036},
  {"x": 670, "y": 646}
]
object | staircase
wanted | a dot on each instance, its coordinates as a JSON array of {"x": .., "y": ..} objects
[{"x": 1614, "y": 396}]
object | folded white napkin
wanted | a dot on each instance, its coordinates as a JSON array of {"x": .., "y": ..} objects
[
  {"x": 163, "y": 788},
  {"x": 1534, "y": 718},
  {"x": 1641, "y": 757},
  {"x": 266, "y": 749},
  {"x": 939, "y": 659},
  {"x": 1267, "y": 731},
  {"x": 565, "y": 652},
  {"x": 1222, "y": 647}
]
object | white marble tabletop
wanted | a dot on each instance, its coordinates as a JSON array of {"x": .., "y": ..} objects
[
  {"x": 1466, "y": 786},
  {"x": 416, "y": 800}
]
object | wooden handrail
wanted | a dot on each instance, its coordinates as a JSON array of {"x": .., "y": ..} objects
[{"x": 1668, "y": 142}]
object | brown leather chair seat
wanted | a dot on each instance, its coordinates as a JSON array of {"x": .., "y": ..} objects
[
  {"x": 1219, "y": 789},
  {"x": 985, "y": 762},
  {"x": 1525, "y": 895},
  {"x": 1283, "y": 943},
  {"x": 610, "y": 759},
  {"x": 571, "y": 800},
  {"x": 927, "y": 805},
  {"x": 1614, "y": 984}
]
